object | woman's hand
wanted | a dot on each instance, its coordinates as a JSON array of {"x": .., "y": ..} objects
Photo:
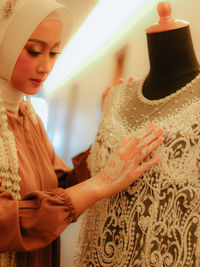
[
  {"x": 126, "y": 164},
  {"x": 122, "y": 168}
]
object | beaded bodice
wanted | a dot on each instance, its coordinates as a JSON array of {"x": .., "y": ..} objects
[{"x": 156, "y": 221}]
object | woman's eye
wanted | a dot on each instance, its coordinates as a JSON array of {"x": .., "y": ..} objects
[
  {"x": 34, "y": 53},
  {"x": 54, "y": 54}
]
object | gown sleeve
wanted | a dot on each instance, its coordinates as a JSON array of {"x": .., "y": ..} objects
[{"x": 35, "y": 221}]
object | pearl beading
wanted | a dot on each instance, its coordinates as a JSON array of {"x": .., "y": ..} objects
[
  {"x": 188, "y": 86},
  {"x": 129, "y": 115},
  {"x": 157, "y": 202}
]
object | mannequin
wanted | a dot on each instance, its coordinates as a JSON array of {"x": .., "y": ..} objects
[
  {"x": 156, "y": 221},
  {"x": 173, "y": 62}
]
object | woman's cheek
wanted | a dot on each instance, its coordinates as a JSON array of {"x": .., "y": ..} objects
[
  {"x": 23, "y": 71},
  {"x": 25, "y": 64}
]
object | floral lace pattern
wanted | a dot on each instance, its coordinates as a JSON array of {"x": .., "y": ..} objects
[
  {"x": 7, "y": 8},
  {"x": 156, "y": 221}
]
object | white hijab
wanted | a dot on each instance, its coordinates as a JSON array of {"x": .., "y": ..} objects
[{"x": 18, "y": 20}]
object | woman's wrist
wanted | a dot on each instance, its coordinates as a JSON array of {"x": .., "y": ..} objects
[{"x": 85, "y": 194}]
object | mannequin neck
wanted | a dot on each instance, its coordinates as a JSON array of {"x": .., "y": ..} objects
[{"x": 173, "y": 62}]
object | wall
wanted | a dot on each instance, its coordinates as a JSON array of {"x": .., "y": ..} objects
[{"x": 80, "y": 99}]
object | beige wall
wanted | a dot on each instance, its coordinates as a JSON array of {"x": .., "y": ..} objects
[{"x": 81, "y": 126}]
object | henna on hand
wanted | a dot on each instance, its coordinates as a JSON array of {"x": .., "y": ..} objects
[{"x": 125, "y": 165}]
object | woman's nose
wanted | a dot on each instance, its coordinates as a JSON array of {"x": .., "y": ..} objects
[{"x": 44, "y": 65}]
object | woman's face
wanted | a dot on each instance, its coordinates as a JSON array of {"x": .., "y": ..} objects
[{"x": 37, "y": 57}]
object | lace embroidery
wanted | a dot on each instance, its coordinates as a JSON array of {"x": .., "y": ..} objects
[
  {"x": 156, "y": 221},
  {"x": 9, "y": 177},
  {"x": 117, "y": 168},
  {"x": 7, "y": 8}
]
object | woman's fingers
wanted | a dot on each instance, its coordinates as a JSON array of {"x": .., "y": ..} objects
[
  {"x": 124, "y": 144},
  {"x": 151, "y": 147},
  {"x": 149, "y": 129},
  {"x": 136, "y": 145},
  {"x": 145, "y": 145},
  {"x": 131, "y": 144},
  {"x": 145, "y": 167},
  {"x": 150, "y": 138}
]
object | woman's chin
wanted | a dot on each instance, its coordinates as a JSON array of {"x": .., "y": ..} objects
[{"x": 30, "y": 90}]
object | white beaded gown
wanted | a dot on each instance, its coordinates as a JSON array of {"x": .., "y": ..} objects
[{"x": 156, "y": 221}]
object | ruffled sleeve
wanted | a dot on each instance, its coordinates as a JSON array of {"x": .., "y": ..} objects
[{"x": 35, "y": 221}]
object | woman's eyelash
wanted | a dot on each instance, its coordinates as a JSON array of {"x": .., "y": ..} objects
[
  {"x": 53, "y": 54},
  {"x": 34, "y": 53}
]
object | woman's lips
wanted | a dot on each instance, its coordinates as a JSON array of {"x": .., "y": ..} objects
[{"x": 36, "y": 81}]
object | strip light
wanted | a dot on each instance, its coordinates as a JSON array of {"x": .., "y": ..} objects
[{"x": 107, "y": 18}]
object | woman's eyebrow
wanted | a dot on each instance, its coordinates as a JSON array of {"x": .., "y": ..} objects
[
  {"x": 37, "y": 41},
  {"x": 41, "y": 42}
]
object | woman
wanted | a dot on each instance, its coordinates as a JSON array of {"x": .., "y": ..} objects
[{"x": 34, "y": 209}]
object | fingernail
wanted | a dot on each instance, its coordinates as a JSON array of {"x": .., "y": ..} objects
[{"x": 160, "y": 131}]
